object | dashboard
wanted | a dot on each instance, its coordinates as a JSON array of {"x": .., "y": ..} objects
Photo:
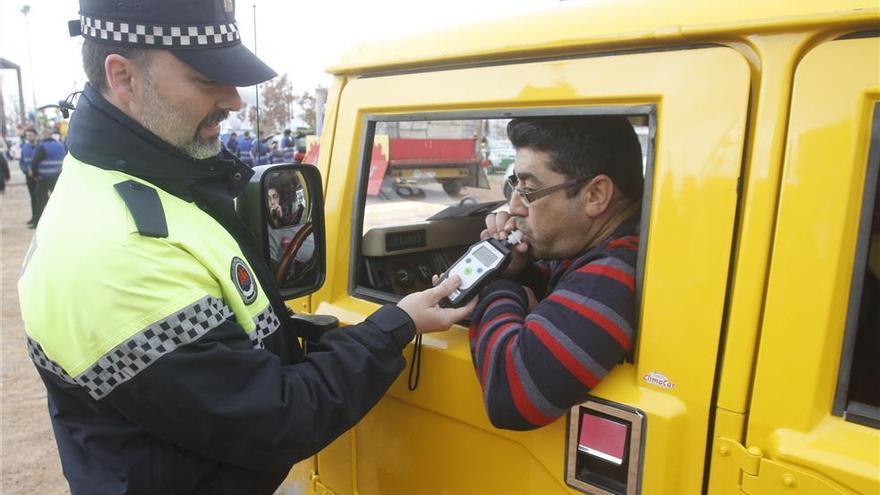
[{"x": 401, "y": 259}]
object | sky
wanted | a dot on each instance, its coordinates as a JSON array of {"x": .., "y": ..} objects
[{"x": 294, "y": 37}]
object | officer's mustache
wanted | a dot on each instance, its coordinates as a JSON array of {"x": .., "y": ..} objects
[{"x": 214, "y": 118}]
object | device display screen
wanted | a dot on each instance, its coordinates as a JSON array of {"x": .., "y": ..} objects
[{"x": 485, "y": 256}]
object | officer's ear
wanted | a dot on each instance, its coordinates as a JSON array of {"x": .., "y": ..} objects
[{"x": 124, "y": 80}]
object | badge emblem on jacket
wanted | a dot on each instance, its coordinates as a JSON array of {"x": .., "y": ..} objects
[{"x": 243, "y": 280}]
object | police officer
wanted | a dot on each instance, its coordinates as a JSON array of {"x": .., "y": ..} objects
[
  {"x": 45, "y": 168},
  {"x": 232, "y": 144},
  {"x": 169, "y": 359},
  {"x": 260, "y": 152},
  {"x": 28, "y": 148},
  {"x": 245, "y": 144},
  {"x": 288, "y": 147}
]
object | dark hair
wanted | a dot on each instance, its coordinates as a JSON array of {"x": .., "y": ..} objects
[
  {"x": 94, "y": 54},
  {"x": 584, "y": 146}
]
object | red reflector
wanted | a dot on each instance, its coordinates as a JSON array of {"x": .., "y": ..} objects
[{"x": 602, "y": 438}]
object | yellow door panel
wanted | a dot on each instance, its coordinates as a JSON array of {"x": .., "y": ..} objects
[
  {"x": 437, "y": 439},
  {"x": 836, "y": 87},
  {"x": 777, "y": 478}
]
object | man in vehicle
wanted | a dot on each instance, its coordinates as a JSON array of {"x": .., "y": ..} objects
[
  {"x": 565, "y": 312},
  {"x": 169, "y": 358}
]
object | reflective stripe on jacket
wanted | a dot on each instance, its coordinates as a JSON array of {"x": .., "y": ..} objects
[
  {"x": 99, "y": 340},
  {"x": 51, "y": 165}
]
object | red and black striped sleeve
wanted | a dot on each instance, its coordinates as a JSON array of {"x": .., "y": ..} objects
[{"x": 535, "y": 365}]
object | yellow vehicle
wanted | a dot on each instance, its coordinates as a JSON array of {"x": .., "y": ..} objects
[{"x": 751, "y": 372}]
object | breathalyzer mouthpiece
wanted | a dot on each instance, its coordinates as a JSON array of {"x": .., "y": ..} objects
[{"x": 514, "y": 238}]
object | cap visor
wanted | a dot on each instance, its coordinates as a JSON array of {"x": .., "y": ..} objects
[{"x": 233, "y": 65}]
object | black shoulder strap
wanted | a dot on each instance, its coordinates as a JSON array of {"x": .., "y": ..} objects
[{"x": 145, "y": 207}]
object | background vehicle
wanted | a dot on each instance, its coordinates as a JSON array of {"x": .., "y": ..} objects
[{"x": 762, "y": 149}]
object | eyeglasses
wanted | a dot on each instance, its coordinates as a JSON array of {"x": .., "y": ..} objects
[{"x": 529, "y": 197}]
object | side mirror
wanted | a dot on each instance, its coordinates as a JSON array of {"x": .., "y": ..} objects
[{"x": 284, "y": 207}]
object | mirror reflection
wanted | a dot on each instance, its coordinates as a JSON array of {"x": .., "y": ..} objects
[{"x": 289, "y": 229}]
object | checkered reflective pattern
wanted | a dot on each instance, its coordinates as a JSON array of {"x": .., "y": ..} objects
[
  {"x": 266, "y": 323},
  {"x": 134, "y": 355},
  {"x": 151, "y": 35},
  {"x": 38, "y": 356},
  {"x": 129, "y": 358}
]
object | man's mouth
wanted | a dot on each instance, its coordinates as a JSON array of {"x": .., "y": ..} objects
[{"x": 212, "y": 122}]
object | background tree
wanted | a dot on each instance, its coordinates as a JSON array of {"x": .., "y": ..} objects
[
  {"x": 276, "y": 106},
  {"x": 306, "y": 103}
]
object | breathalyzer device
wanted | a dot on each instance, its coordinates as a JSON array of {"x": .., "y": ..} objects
[{"x": 482, "y": 263}]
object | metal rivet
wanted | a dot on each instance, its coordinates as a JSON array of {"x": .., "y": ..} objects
[
  {"x": 724, "y": 450},
  {"x": 236, "y": 176},
  {"x": 788, "y": 480}
]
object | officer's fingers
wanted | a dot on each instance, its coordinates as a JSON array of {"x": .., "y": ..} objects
[
  {"x": 485, "y": 234},
  {"x": 443, "y": 289},
  {"x": 446, "y": 317},
  {"x": 434, "y": 279},
  {"x": 458, "y": 314},
  {"x": 522, "y": 247}
]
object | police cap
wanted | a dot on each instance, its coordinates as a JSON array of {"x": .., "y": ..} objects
[{"x": 201, "y": 33}]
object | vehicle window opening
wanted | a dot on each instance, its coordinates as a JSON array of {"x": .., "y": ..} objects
[
  {"x": 426, "y": 190},
  {"x": 858, "y": 395}
]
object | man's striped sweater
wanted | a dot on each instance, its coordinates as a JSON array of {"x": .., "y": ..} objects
[{"x": 535, "y": 365}]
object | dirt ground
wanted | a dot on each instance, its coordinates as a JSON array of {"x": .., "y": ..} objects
[{"x": 29, "y": 462}]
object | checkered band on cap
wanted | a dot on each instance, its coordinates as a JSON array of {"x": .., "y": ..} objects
[{"x": 159, "y": 36}]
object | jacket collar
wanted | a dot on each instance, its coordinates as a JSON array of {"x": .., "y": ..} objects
[{"x": 102, "y": 136}]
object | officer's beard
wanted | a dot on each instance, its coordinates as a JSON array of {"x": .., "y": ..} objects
[{"x": 165, "y": 121}]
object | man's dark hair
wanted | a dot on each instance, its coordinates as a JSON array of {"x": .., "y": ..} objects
[
  {"x": 585, "y": 146},
  {"x": 94, "y": 54},
  {"x": 287, "y": 132}
]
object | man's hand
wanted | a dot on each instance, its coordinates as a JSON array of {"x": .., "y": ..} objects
[
  {"x": 500, "y": 225},
  {"x": 423, "y": 307},
  {"x": 276, "y": 211}
]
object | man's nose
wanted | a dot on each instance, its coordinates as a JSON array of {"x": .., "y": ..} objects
[
  {"x": 517, "y": 207},
  {"x": 230, "y": 100}
]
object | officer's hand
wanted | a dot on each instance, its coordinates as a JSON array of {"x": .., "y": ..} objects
[
  {"x": 500, "y": 225},
  {"x": 424, "y": 309}
]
